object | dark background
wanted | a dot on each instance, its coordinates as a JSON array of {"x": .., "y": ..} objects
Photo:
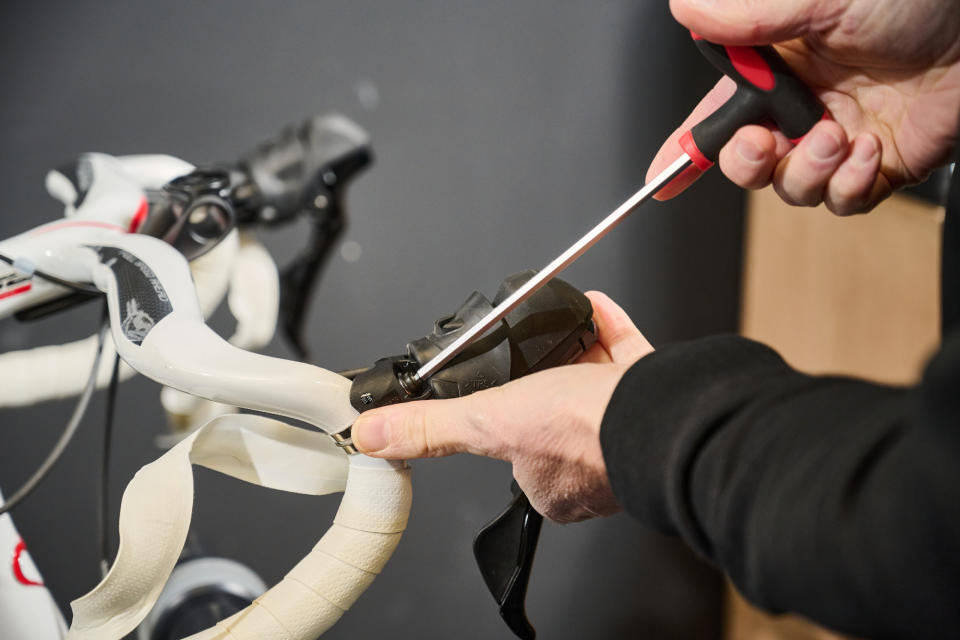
[{"x": 503, "y": 130}]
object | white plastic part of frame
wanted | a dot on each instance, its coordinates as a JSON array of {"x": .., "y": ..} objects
[{"x": 27, "y": 610}]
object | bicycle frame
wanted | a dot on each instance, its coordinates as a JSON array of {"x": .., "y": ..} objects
[{"x": 27, "y": 610}]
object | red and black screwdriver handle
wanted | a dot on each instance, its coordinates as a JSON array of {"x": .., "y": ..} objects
[{"x": 767, "y": 91}]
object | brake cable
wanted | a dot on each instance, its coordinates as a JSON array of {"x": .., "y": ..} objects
[
  {"x": 104, "y": 506},
  {"x": 33, "y": 271},
  {"x": 71, "y": 428}
]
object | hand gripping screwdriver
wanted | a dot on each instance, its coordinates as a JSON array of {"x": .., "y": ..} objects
[{"x": 767, "y": 91}]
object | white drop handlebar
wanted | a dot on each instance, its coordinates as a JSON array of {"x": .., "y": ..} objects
[{"x": 158, "y": 329}]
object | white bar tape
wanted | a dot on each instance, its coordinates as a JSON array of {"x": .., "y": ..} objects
[
  {"x": 155, "y": 516},
  {"x": 254, "y": 296},
  {"x": 55, "y": 372},
  {"x": 212, "y": 272},
  {"x": 60, "y": 371}
]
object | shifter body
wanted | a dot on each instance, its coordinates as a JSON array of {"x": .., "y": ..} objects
[{"x": 552, "y": 327}]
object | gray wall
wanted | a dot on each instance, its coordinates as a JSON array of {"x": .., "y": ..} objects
[{"x": 503, "y": 130}]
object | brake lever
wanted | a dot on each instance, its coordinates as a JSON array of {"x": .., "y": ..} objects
[
  {"x": 304, "y": 171},
  {"x": 326, "y": 212},
  {"x": 504, "y": 549},
  {"x": 550, "y": 328},
  {"x": 300, "y": 275}
]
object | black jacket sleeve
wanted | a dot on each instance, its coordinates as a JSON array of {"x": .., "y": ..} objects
[{"x": 829, "y": 497}]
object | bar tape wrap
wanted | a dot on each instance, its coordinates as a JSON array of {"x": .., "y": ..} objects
[{"x": 155, "y": 516}]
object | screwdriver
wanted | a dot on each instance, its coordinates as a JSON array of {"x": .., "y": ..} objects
[{"x": 767, "y": 91}]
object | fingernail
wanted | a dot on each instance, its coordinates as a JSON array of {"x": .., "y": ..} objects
[
  {"x": 824, "y": 146},
  {"x": 749, "y": 152},
  {"x": 864, "y": 150},
  {"x": 370, "y": 433}
]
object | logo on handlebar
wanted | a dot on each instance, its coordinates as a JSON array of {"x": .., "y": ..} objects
[
  {"x": 137, "y": 323},
  {"x": 143, "y": 300}
]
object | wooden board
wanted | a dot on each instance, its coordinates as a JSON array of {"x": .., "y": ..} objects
[{"x": 857, "y": 295}]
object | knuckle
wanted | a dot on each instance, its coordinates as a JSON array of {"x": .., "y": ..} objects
[
  {"x": 799, "y": 191},
  {"x": 843, "y": 205},
  {"x": 485, "y": 423},
  {"x": 736, "y": 172},
  {"x": 846, "y": 185},
  {"x": 785, "y": 194},
  {"x": 838, "y": 208},
  {"x": 758, "y": 181},
  {"x": 809, "y": 199},
  {"x": 419, "y": 432},
  {"x": 846, "y": 197}
]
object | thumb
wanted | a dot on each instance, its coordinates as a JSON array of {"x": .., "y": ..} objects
[
  {"x": 750, "y": 22},
  {"x": 424, "y": 429}
]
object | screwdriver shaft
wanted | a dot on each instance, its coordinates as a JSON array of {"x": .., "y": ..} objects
[{"x": 560, "y": 263}]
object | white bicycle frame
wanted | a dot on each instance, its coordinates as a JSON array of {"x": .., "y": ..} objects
[
  {"x": 157, "y": 326},
  {"x": 27, "y": 610}
]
